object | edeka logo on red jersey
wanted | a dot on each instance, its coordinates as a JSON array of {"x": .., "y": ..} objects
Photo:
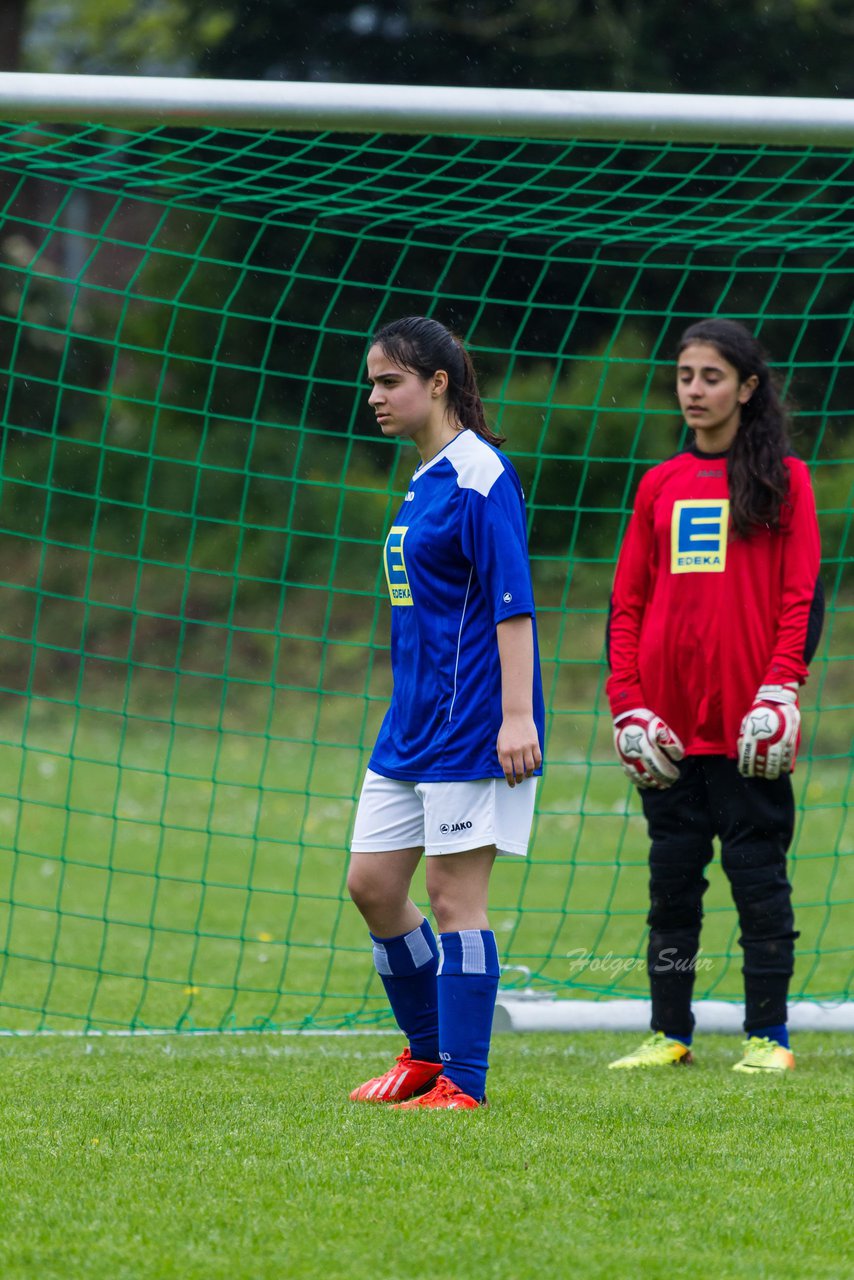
[
  {"x": 395, "y": 566},
  {"x": 698, "y": 533}
]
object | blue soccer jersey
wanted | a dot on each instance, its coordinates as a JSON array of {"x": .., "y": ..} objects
[{"x": 456, "y": 562}]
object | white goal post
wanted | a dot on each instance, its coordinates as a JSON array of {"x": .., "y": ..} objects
[{"x": 359, "y": 108}]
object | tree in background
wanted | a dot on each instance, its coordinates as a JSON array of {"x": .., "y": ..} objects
[{"x": 798, "y": 47}]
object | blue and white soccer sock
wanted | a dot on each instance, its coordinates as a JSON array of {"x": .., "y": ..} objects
[
  {"x": 468, "y": 985},
  {"x": 407, "y": 966}
]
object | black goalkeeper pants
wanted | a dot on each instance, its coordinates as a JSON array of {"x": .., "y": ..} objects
[{"x": 754, "y": 820}]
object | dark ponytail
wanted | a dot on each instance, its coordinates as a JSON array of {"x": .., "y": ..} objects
[
  {"x": 422, "y": 346},
  {"x": 758, "y": 477}
]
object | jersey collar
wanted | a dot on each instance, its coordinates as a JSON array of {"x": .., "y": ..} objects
[
  {"x": 437, "y": 457},
  {"x": 701, "y": 453}
]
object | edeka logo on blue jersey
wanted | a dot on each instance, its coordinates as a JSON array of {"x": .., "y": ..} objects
[
  {"x": 395, "y": 565},
  {"x": 698, "y": 534}
]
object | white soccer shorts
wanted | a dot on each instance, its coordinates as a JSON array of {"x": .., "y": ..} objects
[{"x": 443, "y": 817}]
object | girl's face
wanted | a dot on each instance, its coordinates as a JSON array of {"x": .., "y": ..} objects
[
  {"x": 711, "y": 392},
  {"x": 403, "y": 402}
]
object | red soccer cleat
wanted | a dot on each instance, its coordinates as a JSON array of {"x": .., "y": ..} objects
[
  {"x": 444, "y": 1096},
  {"x": 407, "y": 1078}
]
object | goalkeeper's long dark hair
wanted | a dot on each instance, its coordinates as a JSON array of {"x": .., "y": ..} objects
[
  {"x": 758, "y": 477},
  {"x": 423, "y": 346}
]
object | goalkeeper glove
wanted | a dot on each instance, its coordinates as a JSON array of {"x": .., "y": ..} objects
[
  {"x": 769, "y": 734},
  {"x": 647, "y": 749}
]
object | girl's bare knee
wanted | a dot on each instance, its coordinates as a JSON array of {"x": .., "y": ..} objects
[{"x": 367, "y": 891}]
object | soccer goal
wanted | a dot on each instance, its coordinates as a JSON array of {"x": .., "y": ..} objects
[{"x": 193, "y": 630}]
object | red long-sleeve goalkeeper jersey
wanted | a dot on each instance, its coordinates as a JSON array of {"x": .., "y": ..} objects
[{"x": 701, "y": 618}]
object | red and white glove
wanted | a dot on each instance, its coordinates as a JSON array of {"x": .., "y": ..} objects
[
  {"x": 647, "y": 748},
  {"x": 770, "y": 732}
]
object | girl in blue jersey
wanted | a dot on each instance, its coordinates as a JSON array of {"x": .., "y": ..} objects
[{"x": 452, "y": 774}]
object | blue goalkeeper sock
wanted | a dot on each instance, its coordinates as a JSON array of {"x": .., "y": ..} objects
[
  {"x": 468, "y": 985},
  {"x": 780, "y": 1033},
  {"x": 407, "y": 967},
  {"x": 686, "y": 1040}
]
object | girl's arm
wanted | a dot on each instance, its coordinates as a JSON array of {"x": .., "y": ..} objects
[
  {"x": 518, "y": 745},
  {"x": 801, "y": 604}
]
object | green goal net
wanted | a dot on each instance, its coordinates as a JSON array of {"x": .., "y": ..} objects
[{"x": 193, "y": 623}]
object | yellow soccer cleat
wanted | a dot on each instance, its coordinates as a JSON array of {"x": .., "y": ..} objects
[
  {"x": 762, "y": 1054},
  {"x": 658, "y": 1051}
]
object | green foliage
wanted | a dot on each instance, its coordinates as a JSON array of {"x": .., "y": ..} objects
[
  {"x": 101, "y": 37},
  {"x": 763, "y": 46},
  {"x": 581, "y": 430}
]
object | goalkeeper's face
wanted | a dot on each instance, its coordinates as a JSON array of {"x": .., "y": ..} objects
[
  {"x": 404, "y": 403},
  {"x": 711, "y": 393}
]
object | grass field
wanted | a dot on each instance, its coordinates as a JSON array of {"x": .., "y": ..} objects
[
  {"x": 191, "y": 873},
  {"x": 240, "y": 1157}
]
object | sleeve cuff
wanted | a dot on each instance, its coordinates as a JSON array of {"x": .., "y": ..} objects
[
  {"x": 625, "y": 697},
  {"x": 523, "y": 610}
]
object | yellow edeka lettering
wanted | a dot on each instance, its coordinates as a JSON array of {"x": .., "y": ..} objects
[
  {"x": 395, "y": 566},
  {"x": 698, "y": 535}
]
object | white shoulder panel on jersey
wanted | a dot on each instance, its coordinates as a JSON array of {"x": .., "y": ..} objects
[{"x": 476, "y": 465}]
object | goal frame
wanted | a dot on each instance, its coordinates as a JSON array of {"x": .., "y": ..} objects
[
  {"x": 359, "y": 108},
  {"x": 485, "y": 112}
]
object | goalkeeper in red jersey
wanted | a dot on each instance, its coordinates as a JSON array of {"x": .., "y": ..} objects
[{"x": 715, "y": 614}]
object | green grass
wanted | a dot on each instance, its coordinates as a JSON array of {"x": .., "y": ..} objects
[
  {"x": 191, "y": 873},
  {"x": 237, "y": 1157}
]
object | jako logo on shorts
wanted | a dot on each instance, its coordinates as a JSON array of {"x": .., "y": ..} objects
[
  {"x": 451, "y": 828},
  {"x": 698, "y": 533}
]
